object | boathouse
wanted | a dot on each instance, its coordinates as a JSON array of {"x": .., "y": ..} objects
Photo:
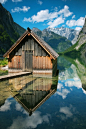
[{"x": 30, "y": 53}]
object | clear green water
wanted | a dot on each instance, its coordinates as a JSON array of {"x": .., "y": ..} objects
[{"x": 35, "y": 102}]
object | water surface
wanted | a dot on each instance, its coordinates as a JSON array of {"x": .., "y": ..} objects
[{"x": 38, "y": 102}]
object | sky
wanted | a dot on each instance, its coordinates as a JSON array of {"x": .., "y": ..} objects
[{"x": 47, "y": 13}]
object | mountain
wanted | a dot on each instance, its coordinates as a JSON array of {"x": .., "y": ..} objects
[
  {"x": 9, "y": 30},
  {"x": 78, "y": 50},
  {"x": 57, "y": 42},
  {"x": 70, "y": 34},
  {"x": 20, "y": 30}
]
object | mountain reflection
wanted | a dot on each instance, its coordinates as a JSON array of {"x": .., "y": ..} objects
[
  {"x": 31, "y": 92},
  {"x": 23, "y": 106},
  {"x": 80, "y": 66},
  {"x": 74, "y": 75}
]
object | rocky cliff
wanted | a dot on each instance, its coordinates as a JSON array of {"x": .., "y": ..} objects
[
  {"x": 70, "y": 34},
  {"x": 57, "y": 42},
  {"x": 79, "y": 48},
  {"x": 9, "y": 30}
]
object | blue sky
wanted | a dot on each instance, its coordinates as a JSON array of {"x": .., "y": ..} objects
[{"x": 47, "y": 13}]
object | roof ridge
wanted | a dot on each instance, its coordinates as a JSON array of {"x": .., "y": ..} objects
[{"x": 46, "y": 46}]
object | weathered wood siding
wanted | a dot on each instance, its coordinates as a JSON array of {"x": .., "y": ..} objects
[
  {"x": 38, "y": 60},
  {"x": 31, "y": 44},
  {"x": 15, "y": 62},
  {"x": 28, "y": 61},
  {"x": 41, "y": 62}
]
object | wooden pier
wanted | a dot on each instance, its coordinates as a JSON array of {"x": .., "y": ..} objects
[{"x": 12, "y": 75}]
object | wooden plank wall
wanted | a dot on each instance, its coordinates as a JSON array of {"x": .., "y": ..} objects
[
  {"x": 15, "y": 62},
  {"x": 40, "y": 62},
  {"x": 41, "y": 59},
  {"x": 31, "y": 44}
]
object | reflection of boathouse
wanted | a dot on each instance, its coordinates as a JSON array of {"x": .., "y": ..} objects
[
  {"x": 32, "y": 92},
  {"x": 30, "y": 53}
]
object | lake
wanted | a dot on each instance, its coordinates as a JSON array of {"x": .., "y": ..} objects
[{"x": 30, "y": 102}]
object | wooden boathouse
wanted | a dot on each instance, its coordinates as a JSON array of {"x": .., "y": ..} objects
[{"x": 30, "y": 53}]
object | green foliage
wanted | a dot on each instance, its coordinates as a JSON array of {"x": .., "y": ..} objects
[
  {"x": 3, "y": 62},
  {"x": 63, "y": 63},
  {"x": 59, "y": 44},
  {"x": 3, "y": 72},
  {"x": 16, "y": 35},
  {"x": 73, "y": 54},
  {"x": 71, "y": 48},
  {"x": 1, "y": 28},
  {"x": 5, "y": 40},
  {"x": 71, "y": 51},
  {"x": 82, "y": 46}
]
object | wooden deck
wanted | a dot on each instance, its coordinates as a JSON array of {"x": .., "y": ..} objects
[{"x": 12, "y": 75}]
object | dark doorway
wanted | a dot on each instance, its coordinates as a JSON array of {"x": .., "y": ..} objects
[{"x": 29, "y": 61}]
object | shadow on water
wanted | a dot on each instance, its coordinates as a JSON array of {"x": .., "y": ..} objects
[{"x": 29, "y": 91}]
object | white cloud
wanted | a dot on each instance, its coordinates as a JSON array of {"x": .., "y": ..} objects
[
  {"x": 46, "y": 15},
  {"x": 16, "y": 0},
  {"x": 29, "y": 122},
  {"x": 6, "y": 106},
  {"x": 63, "y": 93},
  {"x": 70, "y": 23},
  {"x": 27, "y": 19},
  {"x": 78, "y": 28},
  {"x": 3, "y": 1},
  {"x": 41, "y": 16},
  {"x": 63, "y": 25},
  {"x": 73, "y": 16},
  {"x": 65, "y": 11},
  {"x": 18, "y": 107},
  {"x": 66, "y": 111},
  {"x": 40, "y": 2},
  {"x": 79, "y": 22},
  {"x": 76, "y": 83},
  {"x": 56, "y": 22},
  {"x": 18, "y": 9},
  {"x": 59, "y": 86},
  {"x": 53, "y": 19}
]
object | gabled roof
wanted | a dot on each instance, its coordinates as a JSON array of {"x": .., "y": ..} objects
[{"x": 47, "y": 48}]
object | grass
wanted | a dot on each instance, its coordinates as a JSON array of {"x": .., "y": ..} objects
[
  {"x": 3, "y": 72},
  {"x": 3, "y": 62}
]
